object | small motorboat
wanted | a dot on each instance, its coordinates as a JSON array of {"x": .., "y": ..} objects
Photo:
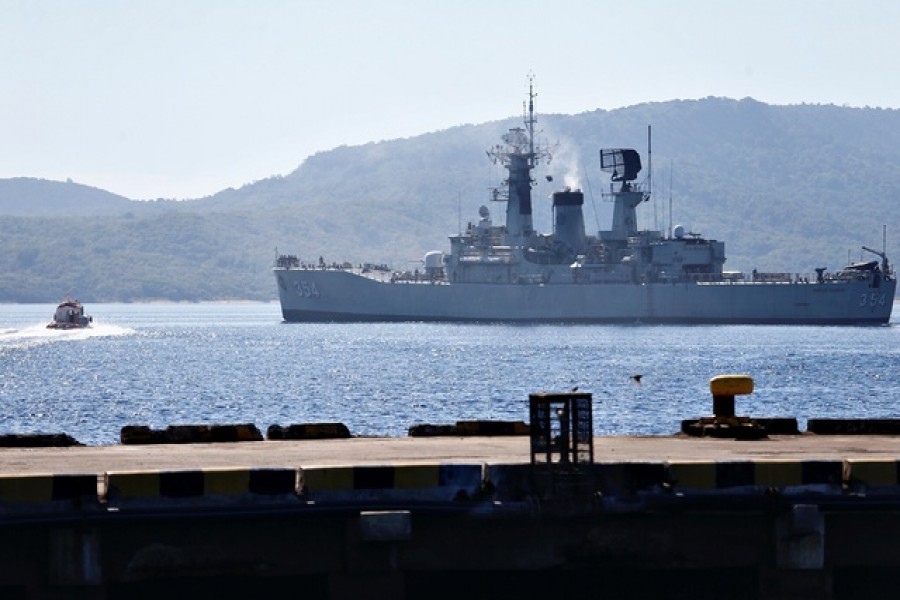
[{"x": 70, "y": 315}]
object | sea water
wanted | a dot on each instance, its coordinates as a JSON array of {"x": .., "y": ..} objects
[{"x": 165, "y": 364}]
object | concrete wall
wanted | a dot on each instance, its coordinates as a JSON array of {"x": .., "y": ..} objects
[{"x": 695, "y": 529}]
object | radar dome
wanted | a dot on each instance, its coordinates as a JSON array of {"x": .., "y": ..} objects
[
  {"x": 483, "y": 212},
  {"x": 678, "y": 231}
]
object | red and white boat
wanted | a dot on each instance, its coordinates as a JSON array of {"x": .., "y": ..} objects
[{"x": 70, "y": 315}]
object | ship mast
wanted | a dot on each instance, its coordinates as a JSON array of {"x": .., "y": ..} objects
[
  {"x": 519, "y": 155},
  {"x": 530, "y": 120}
]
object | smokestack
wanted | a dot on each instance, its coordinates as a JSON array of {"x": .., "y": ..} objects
[{"x": 569, "y": 219}]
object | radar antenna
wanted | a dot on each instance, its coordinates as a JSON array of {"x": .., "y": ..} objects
[{"x": 623, "y": 163}]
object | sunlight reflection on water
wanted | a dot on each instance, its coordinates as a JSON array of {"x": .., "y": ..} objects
[{"x": 161, "y": 364}]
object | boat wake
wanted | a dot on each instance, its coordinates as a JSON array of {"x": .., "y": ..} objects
[{"x": 40, "y": 334}]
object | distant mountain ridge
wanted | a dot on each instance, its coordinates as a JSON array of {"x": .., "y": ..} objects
[
  {"x": 30, "y": 197},
  {"x": 788, "y": 188}
]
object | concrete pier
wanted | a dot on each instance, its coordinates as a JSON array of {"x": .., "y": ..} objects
[{"x": 795, "y": 516}]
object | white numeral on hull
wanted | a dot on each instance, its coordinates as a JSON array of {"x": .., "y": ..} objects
[
  {"x": 306, "y": 289},
  {"x": 873, "y": 299}
]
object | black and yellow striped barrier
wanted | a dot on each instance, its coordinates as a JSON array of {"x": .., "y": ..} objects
[
  {"x": 625, "y": 479},
  {"x": 868, "y": 473},
  {"x": 438, "y": 482},
  {"x": 768, "y": 474},
  {"x": 47, "y": 488},
  {"x": 126, "y": 485}
]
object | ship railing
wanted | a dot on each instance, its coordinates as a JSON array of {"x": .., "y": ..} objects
[
  {"x": 417, "y": 277},
  {"x": 615, "y": 188},
  {"x": 334, "y": 266},
  {"x": 422, "y": 280},
  {"x": 770, "y": 277},
  {"x": 753, "y": 278},
  {"x": 287, "y": 261},
  {"x": 847, "y": 275},
  {"x": 292, "y": 262}
]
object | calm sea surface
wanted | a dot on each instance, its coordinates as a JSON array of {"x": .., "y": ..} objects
[{"x": 163, "y": 364}]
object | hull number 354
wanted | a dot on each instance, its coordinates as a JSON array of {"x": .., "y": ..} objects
[
  {"x": 306, "y": 289},
  {"x": 873, "y": 299}
]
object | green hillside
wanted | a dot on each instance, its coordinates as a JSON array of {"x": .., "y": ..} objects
[{"x": 788, "y": 188}]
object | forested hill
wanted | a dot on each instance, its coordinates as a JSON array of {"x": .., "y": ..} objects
[{"x": 788, "y": 188}]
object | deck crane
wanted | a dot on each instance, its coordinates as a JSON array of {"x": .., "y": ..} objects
[{"x": 885, "y": 266}]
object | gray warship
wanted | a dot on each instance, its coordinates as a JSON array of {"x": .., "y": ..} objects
[{"x": 512, "y": 273}]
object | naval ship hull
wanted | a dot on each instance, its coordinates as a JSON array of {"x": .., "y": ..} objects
[{"x": 334, "y": 295}]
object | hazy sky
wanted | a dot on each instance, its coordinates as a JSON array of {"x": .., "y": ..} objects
[{"x": 183, "y": 98}]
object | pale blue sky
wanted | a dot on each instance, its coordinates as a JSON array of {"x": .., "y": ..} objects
[{"x": 183, "y": 98}]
